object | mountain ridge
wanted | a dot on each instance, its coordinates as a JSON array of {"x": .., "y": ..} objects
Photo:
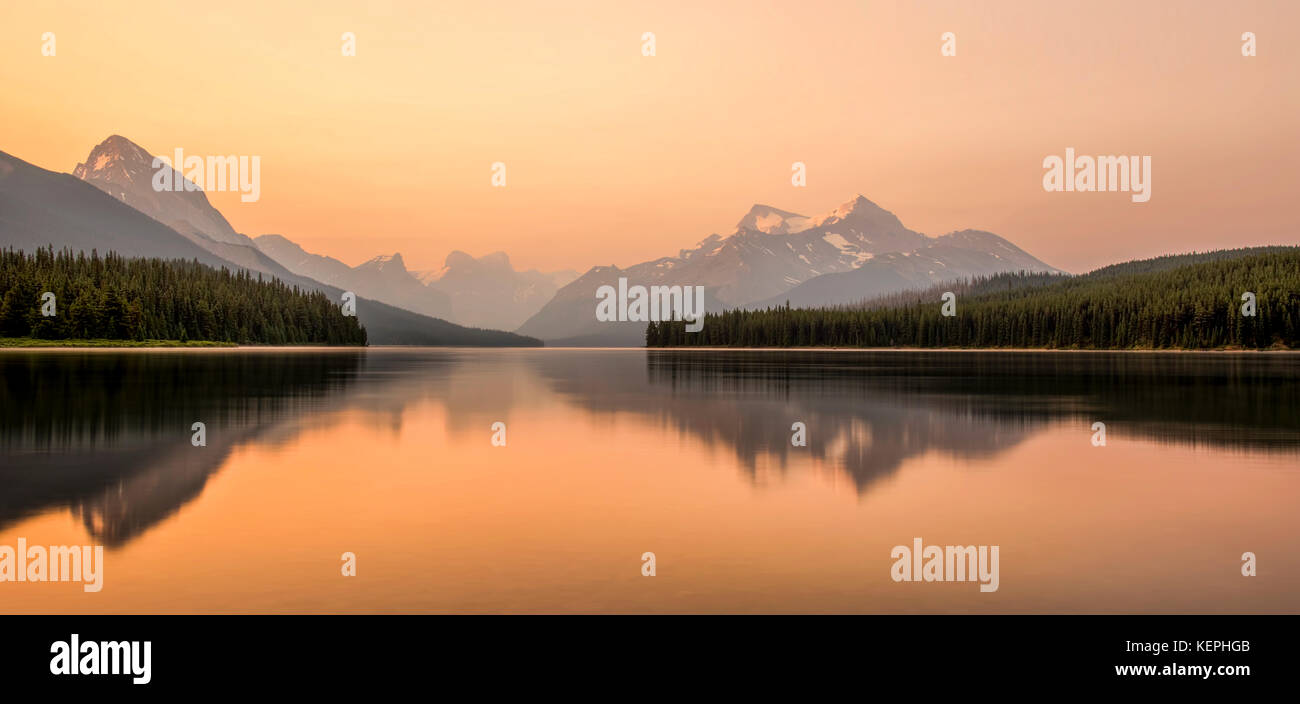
[
  {"x": 772, "y": 252},
  {"x": 40, "y": 208}
]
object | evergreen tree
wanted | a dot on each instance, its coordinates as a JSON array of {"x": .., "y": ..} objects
[
  {"x": 1185, "y": 302},
  {"x": 113, "y": 297}
]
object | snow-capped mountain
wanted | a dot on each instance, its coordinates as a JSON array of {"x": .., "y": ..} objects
[
  {"x": 769, "y": 220},
  {"x": 488, "y": 292},
  {"x": 752, "y": 264},
  {"x": 40, "y": 208},
  {"x": 773, "y": 251},
  {"x": 956, "y": 255},
  {"x": 124, "y": 170}
]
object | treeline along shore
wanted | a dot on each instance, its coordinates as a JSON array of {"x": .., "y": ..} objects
[
  {"x": 110, "y": 297},
  {"x": 1229, "y": 299}
]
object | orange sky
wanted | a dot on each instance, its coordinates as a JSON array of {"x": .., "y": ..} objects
[{"x": 615, "y": 158}]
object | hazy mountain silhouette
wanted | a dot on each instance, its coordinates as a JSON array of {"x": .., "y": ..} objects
[
  {"x": 488, "y": 291},
  {"x": 383, "y": 278},
  {"x": 484, "y": 292},
  {"x": 41, "y": 208}
]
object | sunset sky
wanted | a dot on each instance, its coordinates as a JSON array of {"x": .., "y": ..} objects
[{"x": 615, "y": 158}]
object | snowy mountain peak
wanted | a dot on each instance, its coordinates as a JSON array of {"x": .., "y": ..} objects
[
  {"x": 773, "y": 221},
  {"x": 124, "y": 170},
  {"x": 386, "y": 262},
  {"x": 115, "y": 159},
  {"x": 855, "y": 251},
  {"x": 848, "y": 207},
  {"x": 859, "y": 210}
]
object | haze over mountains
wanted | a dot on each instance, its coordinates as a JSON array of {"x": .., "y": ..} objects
[
  {"x": 488, "y": 292},
  {"x": 124, "y": 170},
  {"x": 384, "y": 278},
  {"x": 41, "y": 208},
  {"x": 485, "y": 293},
  {"x": 856, "y": 251}
]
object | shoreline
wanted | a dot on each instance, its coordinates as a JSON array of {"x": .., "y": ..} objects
[
  {"x": 963, "y": 349},
  {"x": 24, "y": 343},
  {"x": 153, "y": 345}
]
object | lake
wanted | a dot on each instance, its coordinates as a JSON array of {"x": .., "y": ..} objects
[{"x": 605, "y": 455}]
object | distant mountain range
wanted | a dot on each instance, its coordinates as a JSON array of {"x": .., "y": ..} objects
[
  {"x": 486, "y": 292},
  {"x": 110, "y": 207},
  {"x": 858, "y": 250},
  {"x": 383, "y": 278},
  {"x": 855, "y": 252}
]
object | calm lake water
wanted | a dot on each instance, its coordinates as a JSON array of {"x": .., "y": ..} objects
[{"x": 388, "y": 454}]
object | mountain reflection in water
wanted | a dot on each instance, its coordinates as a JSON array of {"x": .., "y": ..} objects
[{"x": 107, "y": 434}]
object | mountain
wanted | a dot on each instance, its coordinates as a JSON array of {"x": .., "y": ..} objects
[
  {"x": 569, "y": 319},
  {"x": 769, "y": 220},
  {"x": 1011, "y": 281},
  {"x": 40, "y": 208},
  {"x": 774, "y": 251},
  {"x": 488, "y": 292},
  {"x": 1176, "y": 302},
  {"x": 296, "y": 259},
  {"x": 484, "y": 292},
  {"x": 383, "y": 278},
  {"x": 951, "y": 257},
  {"x": 124, "y": 170},
  {"x": 387, "y": 279}
]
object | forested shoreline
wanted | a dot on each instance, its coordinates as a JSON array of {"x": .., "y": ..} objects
[
  {"x": 110, "y": 297},
  {"x": 1181, "y": 302}
]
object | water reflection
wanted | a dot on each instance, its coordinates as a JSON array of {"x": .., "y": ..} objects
[
  {"x": 1249, "y": 400},
  {"x": 867, "y": 412},
  {"x": 862, "y": 423},
  {"x": 106, "y": 434}
]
